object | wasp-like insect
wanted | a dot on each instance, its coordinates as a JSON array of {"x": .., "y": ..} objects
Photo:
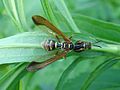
[
  {"x": 79, "y": 46},
  {"x": 50, "y": 45}
]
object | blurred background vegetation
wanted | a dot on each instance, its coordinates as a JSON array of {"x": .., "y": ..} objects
[{"x": 89, "y": 20}]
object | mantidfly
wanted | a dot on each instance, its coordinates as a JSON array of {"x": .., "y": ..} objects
[{"x": 50, "y": 45}]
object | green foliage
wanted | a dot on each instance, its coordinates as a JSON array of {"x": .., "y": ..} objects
[
  {"x": 27, "y": 49},
  {"x": 87, "y": 20}
]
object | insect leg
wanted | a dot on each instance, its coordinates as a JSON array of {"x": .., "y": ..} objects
[
  {"x": 97, "y": 46},
  {"x": 34, "y": 66},
  {"x": 70, "y": 37},
  {"x": 39, "y": 20},
  {"x": 94, "y": 44},
  {"x": 58, "y": 38}
]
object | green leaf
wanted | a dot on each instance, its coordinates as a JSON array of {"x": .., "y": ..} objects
[
  {"x": 98, "y": 70},
  {"x": 60, "y": 18},
  {"x": 11, "y": 8},
  {"x": 109, "y": 48},
  {"x": 78, "y": 66},
  {"x": 100, "y": 29},
  {"x": 11, "y": 78},
  {"x": 26, "y": 80},
  {"x": 21, "y": 14},
  {"x": 25, "y": 47},
  {"x": 60, "y": 4},
  {"x": 108, "y": 80},
  {"x": 84, "y": 74},
  {"x": 66, "y": 73},
  {"x": 47, "y": 7}
]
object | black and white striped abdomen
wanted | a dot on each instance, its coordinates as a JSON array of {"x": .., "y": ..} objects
[{"x": 50, "y": 45}]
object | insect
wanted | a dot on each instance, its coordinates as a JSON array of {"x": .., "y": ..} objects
[
  {"x": 79, "y": 46},
  {"x": 50, "y": 45}
]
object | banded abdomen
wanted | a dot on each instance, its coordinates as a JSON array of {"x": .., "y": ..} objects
[{"x": 50, "y": 45}]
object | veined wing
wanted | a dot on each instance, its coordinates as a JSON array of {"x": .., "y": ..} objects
[
  {"x": 39, "y": 20},
  {"x": 34, "y": 66}
]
